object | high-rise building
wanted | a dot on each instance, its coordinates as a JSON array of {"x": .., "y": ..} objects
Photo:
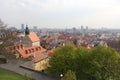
[
  {"x": 35, "y": 28},
  {"x": 82, "y": 27},
  {"x": 86, "y": 27},
  {"x": 22, "y": 27}
]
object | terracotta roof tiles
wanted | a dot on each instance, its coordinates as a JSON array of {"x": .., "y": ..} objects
[
  {"x": 39, "y": 56},
  {"x": 30, "y": 51},
  {"x": 33, "y": 37}
]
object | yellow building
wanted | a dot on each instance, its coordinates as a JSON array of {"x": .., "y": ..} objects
[{"x": 40, "y": 61}]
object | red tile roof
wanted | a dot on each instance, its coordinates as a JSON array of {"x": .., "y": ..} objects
[
  {"x": 61, "y": 37},
  {"x": 27, "y": 52},
  {"x": 14, "y": 47},
  {"x": 50, "y": 52},
  {"x": 33, "y": 37},
  {"x": 39, "y": 56},
  {"x": 66, "y": 38}
]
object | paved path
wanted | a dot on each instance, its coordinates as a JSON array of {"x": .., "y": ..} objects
[{"x": 36, "y": 75}]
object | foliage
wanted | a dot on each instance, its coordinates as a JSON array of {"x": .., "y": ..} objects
[
  {"x": 104, "y": 64},
  {"x": 70, "y": 75},
  {"x": 62, "y": 60},
  {"x": 3, "y": 59},
  {"x": 99, "y": 63},
  {"x": 75, "y": 42}
]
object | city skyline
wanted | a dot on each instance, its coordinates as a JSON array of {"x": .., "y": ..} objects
[{"x": 61, "y": 13}]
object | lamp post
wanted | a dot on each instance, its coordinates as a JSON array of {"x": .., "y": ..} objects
[{"x": 61, "y": 75}]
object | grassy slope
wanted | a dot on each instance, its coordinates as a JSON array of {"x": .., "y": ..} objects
[{"x": 9, "y": 75}]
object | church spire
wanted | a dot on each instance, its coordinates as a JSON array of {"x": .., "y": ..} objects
[{"x": 27, "y": 30}]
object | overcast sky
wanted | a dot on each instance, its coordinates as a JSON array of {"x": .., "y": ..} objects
[{"x": 61, "y": 13}]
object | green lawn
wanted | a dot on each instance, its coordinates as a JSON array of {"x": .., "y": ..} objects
[{"x": 9, "y": 75}]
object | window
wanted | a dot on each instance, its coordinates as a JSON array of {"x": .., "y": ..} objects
[
  {"x": 32, "y": 50},
  {"x": 36, "y": 49},
  {"x": 21, "y": 46},
  {"x": 17, "y": 47},
  {"x": 29, "y": 50},
  {"x": 26, "y": 52}
]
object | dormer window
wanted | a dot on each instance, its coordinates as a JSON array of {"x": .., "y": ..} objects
[
  {"x": 36, "y": 49},
  {"x": 17, "y": 47},
  {"x": 26, "y": 52},
  {"x": 32, "y": 50},
  {"x": 29, "y": 50},
  {"x": 21, "y": 46}
]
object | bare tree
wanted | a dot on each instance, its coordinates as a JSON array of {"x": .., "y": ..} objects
[
  {"x": 7, "y": 35},
  {"x": 2, "y": 25}
]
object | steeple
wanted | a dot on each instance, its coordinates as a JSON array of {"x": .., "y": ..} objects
[{"x": 27, "y": 30}]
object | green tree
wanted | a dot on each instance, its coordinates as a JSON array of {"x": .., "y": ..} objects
[
  {"x": 104, "y": 64},
  {"x": 70, "y": 75},
  {"x": 62, "y": 60},
  {"x": 99, "y": 63},
  {"x": 80, "y": 63}
]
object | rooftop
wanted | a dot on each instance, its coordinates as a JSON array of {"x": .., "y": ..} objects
[{"x": 33, "y": 37}]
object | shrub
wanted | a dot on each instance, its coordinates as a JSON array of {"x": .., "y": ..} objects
[{"x": 3, "y": 59}]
